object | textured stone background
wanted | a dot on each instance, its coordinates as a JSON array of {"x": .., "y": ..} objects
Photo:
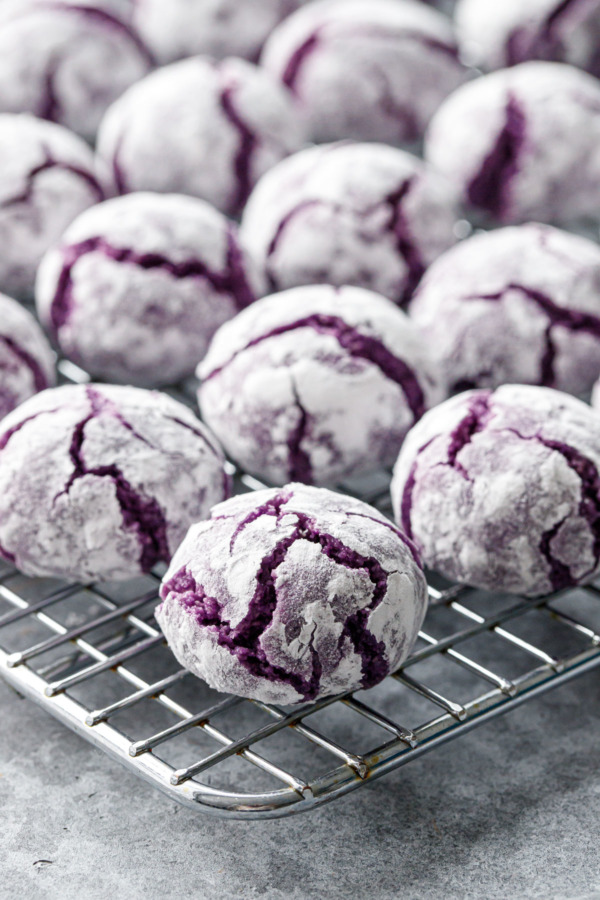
[{"x": 511, "y": 810}]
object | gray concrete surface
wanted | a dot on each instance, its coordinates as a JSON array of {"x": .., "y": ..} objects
[{"x": 512, "y": 810}]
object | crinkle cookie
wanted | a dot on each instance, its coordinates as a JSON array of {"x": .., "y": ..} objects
[
  {"x": 535, "y": 150},
  {"x": 366, "y": 69},
  {"x": 361, "y": 214},
  {"x": 67, "y": 61},
  {"x": 138, "y": 286},
  {"x": 26, "y": 358},
  {"x": 497, "y": 34},
  {"x": 519, "y": 304},
  {"x": 200, "y": 127},
  {"x": 290, "y": 595},
  {"x": 316, "y": 384},
  {"x": 47, "y": 177},
  {"x": 501, "y": 489},
  {"x": 99, "y": 482},
  {"x": 174, "y": 29}
]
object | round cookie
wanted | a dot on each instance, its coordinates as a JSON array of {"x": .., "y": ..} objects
[
  {"x": 139, "y": 284},
  {"x": 291, "y": 595},
  {"x": 67, "y": 61},
  {"x": 366, "y": 69},
  {"x": 26, "y": 358},
  {"x": 516, "y": 305},
  {"x": 99, "y": 482},
  {"x": 200, "y": 127},
  {"x": 494, "y": 35},
  {"x": 47, "y": 177},
  {"x": 361, "y": 214},
  {"x": 517, "y": 164},
  {"x": 501, "y": 489},
  {"x": 316, "y": 384},
  {"x": 179, "y": 28}
]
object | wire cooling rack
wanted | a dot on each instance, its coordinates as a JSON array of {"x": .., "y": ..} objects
[{"x": 94, "y": 657}]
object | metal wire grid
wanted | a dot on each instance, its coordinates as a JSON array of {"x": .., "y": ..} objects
[
  {"x": 65, "y": 670},
  {"x": 125, "y": 634}
]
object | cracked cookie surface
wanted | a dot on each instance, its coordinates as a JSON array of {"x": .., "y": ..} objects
[
  {"x": 292, "y": 594},
  {"x": 67, "y": 61},
  {"x": 101, "y": 482},
  {"x": 495, "y": 35},
  {"x": 237, "y": 120},
  {"x": 515, "y": 305},
  {"x": 516, "y": 165},
  {"x": 138, "y": 285},
  {"x": 316, "y": 384},
  {"x": 366, "y": 69},
  {"x": 500, "y": 489},
  {"x": 361, "y": 214},
  {"x": 47, "y": 177},
  {"x": 26, "y": 358}
]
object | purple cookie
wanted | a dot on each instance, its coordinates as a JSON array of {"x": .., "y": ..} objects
[
  {"x": 518, "y": 164},
  {"x": 67, "y": 61},
  {"x": 316, "y": 384},
  {"x": 26, "y": 358},
  {"x": 174, "y": 29},
  {"x": 200, "y": 127},
  {"x": 47, "y": 177},
  {"x": 99, "y": 482},
  {"x": 497, "y": 34},
  {"x": 501, "y": 489},
  {"x": 362, "y": 214},
  {"x": 366, "y": 69},
  {"x": 139, "y": 285},
  {"x": 293, "y": 594},
  {"x": 519, "y": 304}
]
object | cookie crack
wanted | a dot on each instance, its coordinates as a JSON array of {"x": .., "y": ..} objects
[
  {"x": 281, "y": 228},
  {"x": 140, "y": 514},
  {"x": 112, "y": 22},
  {"x": 40, "y": 380},
  {"x": 405, "y": 242},
  {"x": 477, "y": 417},
  {"x": 295, "y": 63},
  {"x": 271, "y": 507},
  {"x": 243, "y": 640},
  {"x": 589, "y": 506},
  {"x": 558, "y": 316},
  {"x": 231, "y": 281},
  {"x": 357, "y": 345},
  {"x": 246, "y": 149},
  {"x": 543, "y": 42},
  {"x": 50, "y": 163},
  {"x": 299, "y": 461},
  {"x": 489, "y": 187}
]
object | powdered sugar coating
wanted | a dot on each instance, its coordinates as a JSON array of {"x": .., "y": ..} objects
[
  {"x": 26, "y": 358},
  {"x": 179, "y": 28},
  {"x": 47, "y": 177},
  {"x": 501, "y": 489},
  {"x": 366, "y": 69},
  {"x": 139, "y": 284},
  {"x": 361, "y": 214},
  {"x": 99, "y": 482},
  {"x": 294, "y": 594},
  {"x": 494, "y": 35},
  {"x": 516, "y": 165},
  {"x": 316, "y": 384},
  {"x": 519, "y": 304},
  {"x": 67, "y": 61},
  {"x": 200, "y": 127}
]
